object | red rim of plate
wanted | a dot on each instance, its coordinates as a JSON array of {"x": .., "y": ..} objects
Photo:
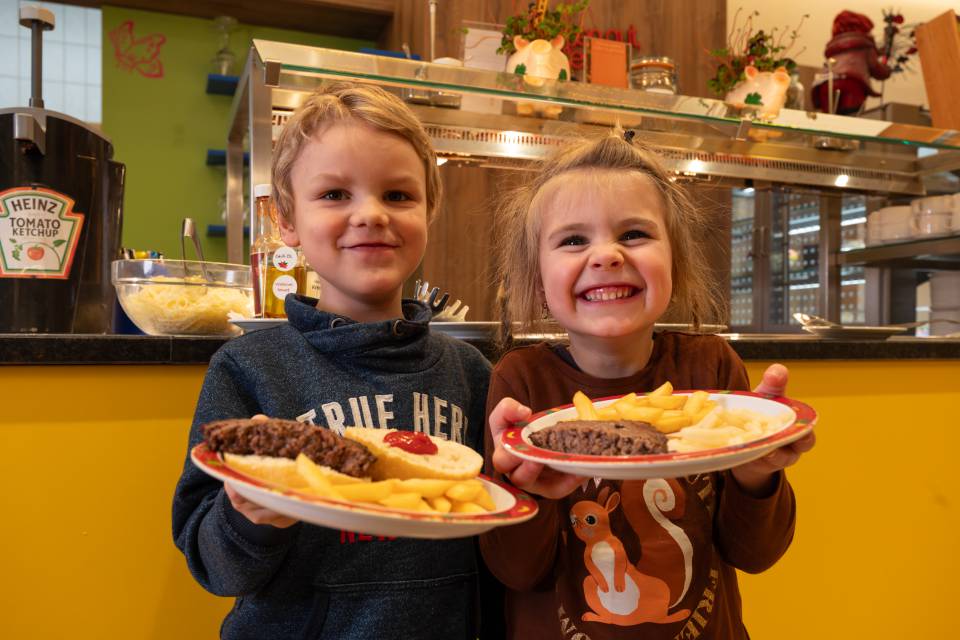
[
  {"x": 213, "y": 464},
  {"x": 806, "y": 417}
]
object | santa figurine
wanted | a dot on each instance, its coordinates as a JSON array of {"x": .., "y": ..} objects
[{"x": 856, "y": 59}]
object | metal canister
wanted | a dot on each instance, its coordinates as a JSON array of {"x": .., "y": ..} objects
[
  {"x": 657, "y": 74},
  {"x": 61, "y": 199}
]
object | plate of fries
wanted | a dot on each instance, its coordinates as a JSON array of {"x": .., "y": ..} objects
[
  {"x": 706, "y": 431},
  {"x": 413, "y": 508}
]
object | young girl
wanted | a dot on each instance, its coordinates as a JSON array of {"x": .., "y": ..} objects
[{"x": 606, "y": 244}]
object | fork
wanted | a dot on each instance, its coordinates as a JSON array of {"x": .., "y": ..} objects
[
  {"x": 453, "y": 312},
  {"x": 420, "y": 293}
]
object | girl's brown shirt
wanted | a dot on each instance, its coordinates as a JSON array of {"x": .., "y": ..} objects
[{"x": 652, "y": 559}]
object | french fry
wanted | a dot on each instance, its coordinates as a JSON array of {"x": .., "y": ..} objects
[
  {"x": 628, "y": 400},
  {"x": 585, "y": 408},
  {"x": 485, "y": 500},
  {"x": 643, "y": 414},
  {"x": 426, "y": 487},
  {"x": 695, "y": 402},
  {"x": 667, "y": 402},
  {"x": 663, "y": 390},
  {"x": 464, "y": 491},
  {"x": 318, "y": 482},
  {"x": 607, "y": 413},
  {"x": 367, "y": 491},
  {"x": 441, "y": 504},
  {"x": 672, "y": 423},
  {"x": 407, "y": 500},
  {"x": 467, "y": 507}
]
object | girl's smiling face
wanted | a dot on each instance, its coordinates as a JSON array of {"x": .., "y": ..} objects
[{"x": 605, "y": 257}]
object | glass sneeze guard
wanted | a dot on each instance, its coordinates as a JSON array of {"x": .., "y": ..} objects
[{"x": 303, "y": 67}]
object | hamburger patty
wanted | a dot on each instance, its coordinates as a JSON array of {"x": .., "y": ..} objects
[
  {"x": 601, "y": 438},
  {"x": 287, "y": 439}
]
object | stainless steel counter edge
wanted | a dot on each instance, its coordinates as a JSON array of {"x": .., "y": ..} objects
[{"x": 38, "y": 349}]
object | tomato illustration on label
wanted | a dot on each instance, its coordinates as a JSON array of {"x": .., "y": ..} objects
[{"x": 35, "y": 252}]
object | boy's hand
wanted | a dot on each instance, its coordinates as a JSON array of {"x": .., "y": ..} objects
[
  {"x": 252, "y": 511},
  {"x": 525, "y": 475},
  {"x": 757, "y": 477}
]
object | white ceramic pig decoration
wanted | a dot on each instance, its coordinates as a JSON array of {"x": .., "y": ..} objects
[
  {"x": 541, "y": 61},
  {"x": 770, "y": 86}
]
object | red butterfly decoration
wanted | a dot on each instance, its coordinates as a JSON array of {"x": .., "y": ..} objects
[{"x": 140, "y": 54}]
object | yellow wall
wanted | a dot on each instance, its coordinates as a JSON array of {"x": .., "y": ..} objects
[
  {"x": 92, "y": 453},
  {"x": 91, "y": 456}
]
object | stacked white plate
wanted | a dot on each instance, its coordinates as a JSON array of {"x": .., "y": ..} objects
[
  {"x": 944, "y": 301},
  {"x": 889, "y": 224},
  {"x": 934, "y": 215}
]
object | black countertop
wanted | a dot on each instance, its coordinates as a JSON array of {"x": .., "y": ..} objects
[{"x": 26, "y": 349}]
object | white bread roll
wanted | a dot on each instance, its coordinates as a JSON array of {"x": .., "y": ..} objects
[
  {"x": 281, "y": 471},
  {"x": 452, "y": 461}
]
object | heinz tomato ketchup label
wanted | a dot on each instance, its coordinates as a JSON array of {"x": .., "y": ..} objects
[{"x": 39, "y": 233}]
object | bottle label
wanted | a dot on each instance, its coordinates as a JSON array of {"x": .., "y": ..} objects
[
  {"x": 285, "y": 258},
  {"x": 284, "y": 285},
  {"x": 39, "y": 233}
]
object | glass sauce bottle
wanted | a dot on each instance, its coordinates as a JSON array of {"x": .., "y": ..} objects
[{"x": 277, "y": 269}]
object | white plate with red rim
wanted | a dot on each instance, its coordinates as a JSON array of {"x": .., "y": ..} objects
[
  {"x": 512, "y": 506},
  {"x": 799, "y": 421}
]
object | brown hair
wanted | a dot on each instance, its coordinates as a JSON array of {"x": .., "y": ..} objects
[
  {"x": 344, "y": 101},
  {"x": 519, "y": 215}
]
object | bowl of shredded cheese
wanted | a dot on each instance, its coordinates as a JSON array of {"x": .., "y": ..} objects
[{"x": 181, "y": 297}]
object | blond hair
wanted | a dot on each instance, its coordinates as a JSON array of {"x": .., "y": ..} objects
[
  {"x": 346, "y": 102},
  {"x": 518, "y": 222}
]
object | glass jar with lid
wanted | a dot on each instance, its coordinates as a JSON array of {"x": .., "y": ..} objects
[{"x": 657, "y": 74}]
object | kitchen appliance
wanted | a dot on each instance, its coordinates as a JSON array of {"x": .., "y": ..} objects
[{"x": 61, "y": 202}]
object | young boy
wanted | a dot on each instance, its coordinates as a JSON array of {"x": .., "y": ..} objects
[{"x": 356, "y": 185}]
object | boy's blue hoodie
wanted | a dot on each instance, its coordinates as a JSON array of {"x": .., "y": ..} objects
[{"x": 307, "y": 581}]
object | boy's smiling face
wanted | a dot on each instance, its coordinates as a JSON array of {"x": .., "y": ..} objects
[{"x": 360, "y": 217}]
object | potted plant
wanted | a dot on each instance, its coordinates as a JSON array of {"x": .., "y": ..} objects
[
  {"x": 753, "y": 69},
  {"x": 534, "y": 41},
  {"x": 539, "y": 26}
]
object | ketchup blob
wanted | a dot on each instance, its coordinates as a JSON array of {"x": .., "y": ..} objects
[{"x": 411, "y": 441}]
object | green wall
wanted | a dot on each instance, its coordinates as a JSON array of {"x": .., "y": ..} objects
[{"x": 162, "y": 127}]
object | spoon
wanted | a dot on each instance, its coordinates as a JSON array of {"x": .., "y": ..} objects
[
  {"x": 807, "y": 319},
  {"x": 810, "y": 320},
  {"x": 189, "y": 230}
]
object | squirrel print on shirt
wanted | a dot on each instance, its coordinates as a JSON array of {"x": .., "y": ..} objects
[{"x": 617, "y": 590}]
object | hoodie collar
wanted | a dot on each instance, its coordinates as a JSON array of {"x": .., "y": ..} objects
[{"x": 399, "y": 338}]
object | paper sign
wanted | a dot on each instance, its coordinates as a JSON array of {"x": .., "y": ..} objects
[{"x": 607, "y": 62}]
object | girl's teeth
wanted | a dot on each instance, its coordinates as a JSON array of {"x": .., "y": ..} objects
[{"x": 606, "y": 294}]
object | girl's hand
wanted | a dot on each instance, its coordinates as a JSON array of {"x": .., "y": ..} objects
[
  {"x": 252, "y": 511},
  {"x": 531, "y": 477},
  {"x": 757, "y": 477}
]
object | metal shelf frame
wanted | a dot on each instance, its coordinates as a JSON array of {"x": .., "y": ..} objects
[
  {"x": 697, "y": 138},
  {"x": 941, "y": 253}
]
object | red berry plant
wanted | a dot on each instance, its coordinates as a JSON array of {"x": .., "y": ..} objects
[{"x": 747, "y": 46}]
